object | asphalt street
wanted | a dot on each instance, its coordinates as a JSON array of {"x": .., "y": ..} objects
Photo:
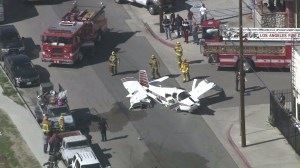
[{"x": 167, "y": 138}]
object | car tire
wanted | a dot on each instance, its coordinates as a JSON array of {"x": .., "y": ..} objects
[
  {"x": 151, "y": 9},
  {"x": 80, "y": 57}
]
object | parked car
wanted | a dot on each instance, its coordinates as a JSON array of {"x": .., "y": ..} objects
[
  {"x": 151, "y": 5},
  {"x": 10, "y": 41},
  {"x": 21, "y": 71}
]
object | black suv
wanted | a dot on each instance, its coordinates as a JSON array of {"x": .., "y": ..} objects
[
  {"x": 10, "y": 41},
  {"x": 21, "y": 71}
]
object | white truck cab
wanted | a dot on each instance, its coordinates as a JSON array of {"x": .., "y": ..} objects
[
  {"x": 85, "y": 160},
  {"x": 76, "y": 151}
]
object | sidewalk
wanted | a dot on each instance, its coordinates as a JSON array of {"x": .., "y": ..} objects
[
  {"x": 266, "y": 147},
  {"x": 27, "y": 126}
]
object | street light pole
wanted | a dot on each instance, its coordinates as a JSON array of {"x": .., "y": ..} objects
[
  {"x": 242, "y": 79},
  {"x": 161, "y": 29}
]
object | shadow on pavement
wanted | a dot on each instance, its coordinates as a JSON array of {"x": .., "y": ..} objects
[
  {"x": 254, "y": 88},
  {"x": 199, "y": 77},
  {"x": 196, "y": 62},
  {"x": 32, "y": 50},
  {"x": 16, "y": 11},
  {"x": 102, "y": 157},
  {"x": 47, "y": 2},
  {"x": 44, "y": 74},
  {"x": 128, "y": 72},
  {"x": 82, "y": 119},
  {"x": 209, "y": 100},
  {"x": 119, "y": 137},
  {"x": 173, "y": 75}
]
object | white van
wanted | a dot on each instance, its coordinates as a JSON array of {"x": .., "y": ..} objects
[{"x": 1, "y": 10}]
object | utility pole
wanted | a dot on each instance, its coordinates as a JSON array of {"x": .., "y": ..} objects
[
  {"x": 242, "y": 79},
  {"x": 161, "y": 13}
]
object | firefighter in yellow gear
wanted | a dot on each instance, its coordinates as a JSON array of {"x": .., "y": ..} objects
[
  {"x": 154, "y": 63},
  {"x": 185, "y": 69},
  {"x": 113, "y": 63},
  {"x": 178, "y": 51},
  {"x": 61, "y": 123},
  {"x": 46, "y": 125}
]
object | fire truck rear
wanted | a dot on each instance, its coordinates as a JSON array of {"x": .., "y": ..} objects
[
  {"x": 263, "y": 47},
  {"x": 65, "y": 40}
]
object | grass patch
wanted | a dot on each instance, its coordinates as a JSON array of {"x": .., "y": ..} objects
[
  {"x": 12, "y": 146},
  {"x": 9, "y": 90}
]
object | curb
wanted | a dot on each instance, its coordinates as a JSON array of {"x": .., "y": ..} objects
[
  {"x": 148, "y": 29},
  {"x": 236, "y": 148}
]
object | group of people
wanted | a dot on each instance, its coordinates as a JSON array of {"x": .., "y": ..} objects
[
  {"x": 154, "y": 64},
  {"x": 184, "y": 27}
]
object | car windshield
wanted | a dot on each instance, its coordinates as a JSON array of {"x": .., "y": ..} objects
[
  {"x": 91, "y": 166},
  {"x": 77, "y": 144},
  {"x": 57, "y": 111},
  {"x": 55, "y": 39},
  {"x": 23, "y": 66},
  {"x": 183, "y": 95},
  {"x": 210, "y": 33},
  {"x": 9, "y": 35}
]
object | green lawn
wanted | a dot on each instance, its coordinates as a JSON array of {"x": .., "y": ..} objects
[{"x": 12, "y": 146}]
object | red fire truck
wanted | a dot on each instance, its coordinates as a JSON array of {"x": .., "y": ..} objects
[
  {"x": 79, "y": 30},
  {"x": 263, "y": 47}
]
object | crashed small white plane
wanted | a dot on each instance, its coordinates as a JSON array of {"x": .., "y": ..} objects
[{"x": 141, "y": 92}]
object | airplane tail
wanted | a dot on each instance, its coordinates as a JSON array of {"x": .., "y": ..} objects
[{"x": 143, "y": 79}]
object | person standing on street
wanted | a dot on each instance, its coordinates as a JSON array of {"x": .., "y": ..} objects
[
  {"x": 172, "y": 19},
  {"x": 195, "y": 32},
  {"x": 46, "y": 125},
  {"x": 61, "y": 123},
  {"x": 154, "y": 63},
  {"x": 203, "y": 13},
  {"x": 52, "y": 143},
  {"x": 237, "y": 79},
  {"x": 186, "y": 28},
  {"x": 185, "y": 69},
  {"x": 113, "y": 63},
  {"x": 45, "y": 141},
  {"x": 178, "y": 23},
  {"x": 178, "y": 50},
  {"x": 190, "y": 16},
  {"x": 166, "y": 23},
  {"x": 103, "y": 127}
]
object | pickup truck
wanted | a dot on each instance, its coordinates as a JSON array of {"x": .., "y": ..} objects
[
  {"x": 76, "y": 151},
  {"x": 47, "y": 104},
  {"x": 151, "y": 5}
]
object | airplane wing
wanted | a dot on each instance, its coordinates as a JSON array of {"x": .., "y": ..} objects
[
  {"x": 158, "y": 80},
  {"x": 201, "y": 88},
  {"x": 136, "y": 91}
]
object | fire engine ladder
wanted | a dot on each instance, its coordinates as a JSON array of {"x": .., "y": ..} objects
[
  {"x": 261, "y": 34},
  {"x": 292, "y": 66}
]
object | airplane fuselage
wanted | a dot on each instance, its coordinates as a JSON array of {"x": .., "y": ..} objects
[{"x": 174, "y": 98}]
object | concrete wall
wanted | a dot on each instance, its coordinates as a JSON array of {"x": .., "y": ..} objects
[{"x": 296, "y": 77}]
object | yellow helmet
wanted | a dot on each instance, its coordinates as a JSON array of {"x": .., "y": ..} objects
[
  {"x": 177, "y": 43},
  {"x": 61, "y": 116},
  {"x": 113, "y": 53},
  {"x": 152, "y": 56}
]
